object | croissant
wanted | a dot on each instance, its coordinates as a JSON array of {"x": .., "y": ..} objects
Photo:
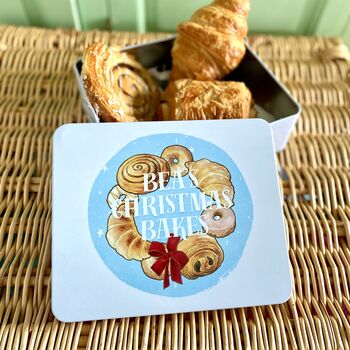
[
  {"x": 123, "y": 236},
  {"x": 118, "y": 87},
  {"x": 213, "y": 179},
  {"x": 204, "y": 254},
  {"x": 199, "y": 100},
  {"x": 211, "y": 43}
]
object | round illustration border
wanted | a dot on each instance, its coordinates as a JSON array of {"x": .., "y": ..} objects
[{"x": 130, "y": 271}]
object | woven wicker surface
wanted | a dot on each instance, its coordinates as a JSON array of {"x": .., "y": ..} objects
[{"x": 38, "y": 93}]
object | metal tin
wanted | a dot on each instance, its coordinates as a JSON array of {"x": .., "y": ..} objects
[
  {"x": 99, "y": 270},
  {"x": 273, "y": 102}
]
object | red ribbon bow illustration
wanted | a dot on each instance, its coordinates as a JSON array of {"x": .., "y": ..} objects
[{"x": 168, "y": 256}]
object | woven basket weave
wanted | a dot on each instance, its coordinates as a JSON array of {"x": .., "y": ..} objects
[{"x": 38, "y": 93}]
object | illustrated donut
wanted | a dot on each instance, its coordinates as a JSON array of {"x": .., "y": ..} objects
[
  {"x": 220, "y": 221},
  {"x": 130, "y": 175},
  {"x": 177, "y": 156},
  {"x": 146, "y": 267}
]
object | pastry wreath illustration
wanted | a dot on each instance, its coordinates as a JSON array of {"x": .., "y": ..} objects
[{"x": 194, "y": 256}]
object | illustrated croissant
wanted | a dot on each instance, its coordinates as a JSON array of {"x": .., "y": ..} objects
[
  {"x": 123, "y": 236},
  {"x": 211, "y": 43},
  {"x": 212, "y": 179}
]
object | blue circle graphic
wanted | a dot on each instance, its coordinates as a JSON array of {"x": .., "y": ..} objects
[{"x": 130, "y": 271}]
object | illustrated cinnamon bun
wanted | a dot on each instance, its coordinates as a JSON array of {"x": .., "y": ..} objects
[{"x": 143, "y": 173}]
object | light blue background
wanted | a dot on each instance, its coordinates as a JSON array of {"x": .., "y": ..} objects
[{"x": 130, "y": 271}]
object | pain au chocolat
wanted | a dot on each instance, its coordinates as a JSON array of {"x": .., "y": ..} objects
[{"x": 187, "y": 99}]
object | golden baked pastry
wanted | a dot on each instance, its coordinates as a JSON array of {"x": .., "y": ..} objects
[
  {"x": 118, "y": 87},
  {"x": 123, "y": 236},
  {"x": 198, "y": 100},
  {"x": 130, "y": 175},
  {"x": 204, "y": 254},
  {"x": 213, "y": 179},
  {"x": 211, "y": 43}
]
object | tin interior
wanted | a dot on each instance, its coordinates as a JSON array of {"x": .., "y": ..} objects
[{"x": 273, "y": 101}]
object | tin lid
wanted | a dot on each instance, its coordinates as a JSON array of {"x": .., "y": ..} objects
[{"x": 166, "y": 217}]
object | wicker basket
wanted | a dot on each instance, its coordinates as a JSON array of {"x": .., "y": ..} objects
[{"x": 38, "y": 93}]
